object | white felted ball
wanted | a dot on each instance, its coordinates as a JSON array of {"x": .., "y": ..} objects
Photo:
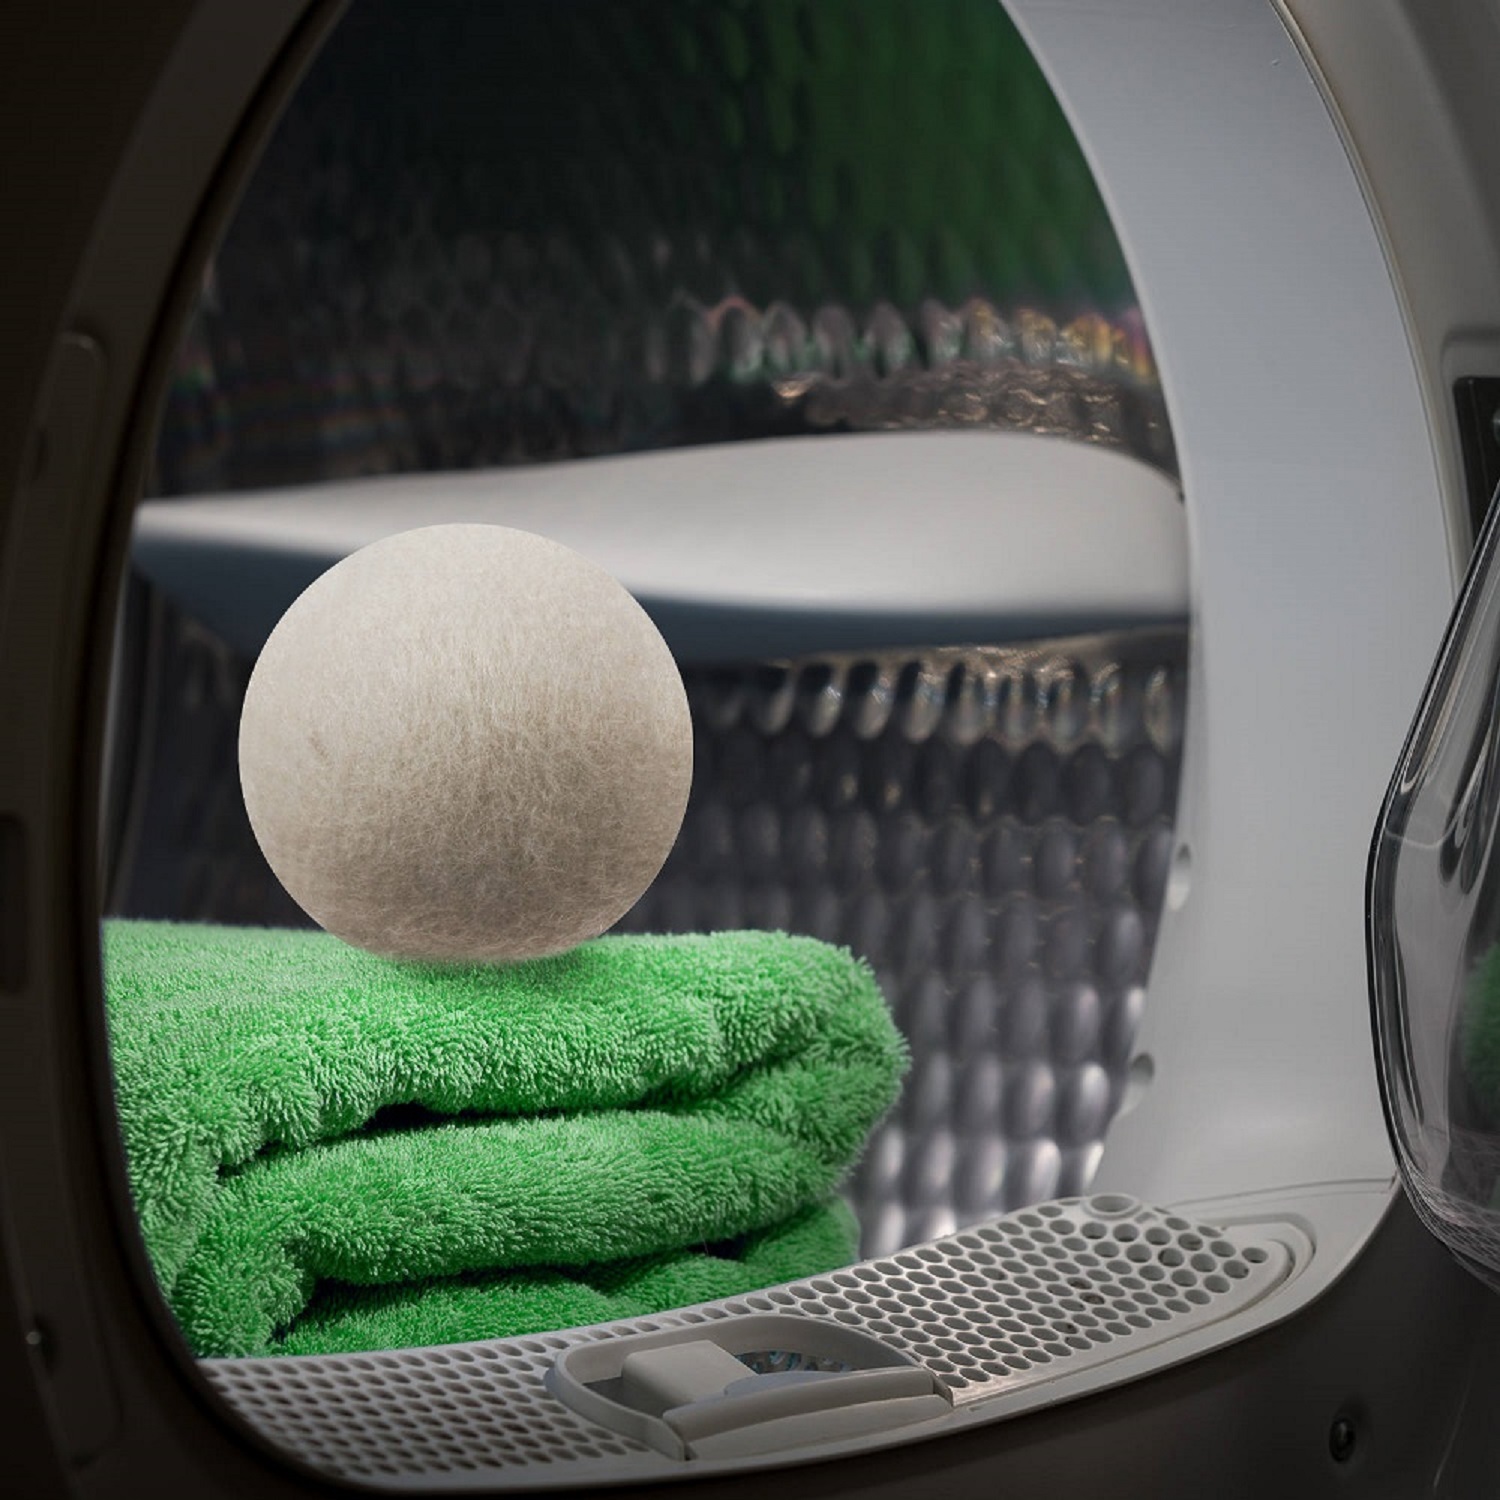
[{"x": 465, "y": 743}]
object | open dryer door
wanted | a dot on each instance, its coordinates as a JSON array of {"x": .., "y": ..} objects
[{"x": 1262, "y": 1108}]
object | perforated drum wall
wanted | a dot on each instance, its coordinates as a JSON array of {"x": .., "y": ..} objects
[{"x": 992, "y": 829}]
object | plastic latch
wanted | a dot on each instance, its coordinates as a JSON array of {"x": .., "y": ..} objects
[
  {"x": 676, "y": 1375},
  {"x": 696, "y": 1392},
  {"x": 767, "y": 1398},
  {"x": 818, "y": 1428}
]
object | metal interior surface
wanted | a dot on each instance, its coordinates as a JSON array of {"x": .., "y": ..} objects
[{"x": 509, "y": 233}]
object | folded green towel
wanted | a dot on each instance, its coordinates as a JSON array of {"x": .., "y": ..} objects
[{"x": 334, "y": 1151}]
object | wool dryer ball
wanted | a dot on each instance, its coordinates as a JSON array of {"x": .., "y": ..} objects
[{"x": 465, "y": 743}]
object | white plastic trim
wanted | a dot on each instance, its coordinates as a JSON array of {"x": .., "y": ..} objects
[
  {"x": 751, "y": 548},
  {"x": 1321, "y": 578},
  {"x": 1410, "y": 86}
]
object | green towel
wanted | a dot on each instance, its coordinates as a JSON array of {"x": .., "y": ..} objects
[{"x": 334, "y": 1151}]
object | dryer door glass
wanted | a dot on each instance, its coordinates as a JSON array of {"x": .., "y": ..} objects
[{"x": 1434, "y": 933}]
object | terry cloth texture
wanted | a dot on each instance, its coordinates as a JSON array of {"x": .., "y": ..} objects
[{"x": 332, "y": 1151}]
